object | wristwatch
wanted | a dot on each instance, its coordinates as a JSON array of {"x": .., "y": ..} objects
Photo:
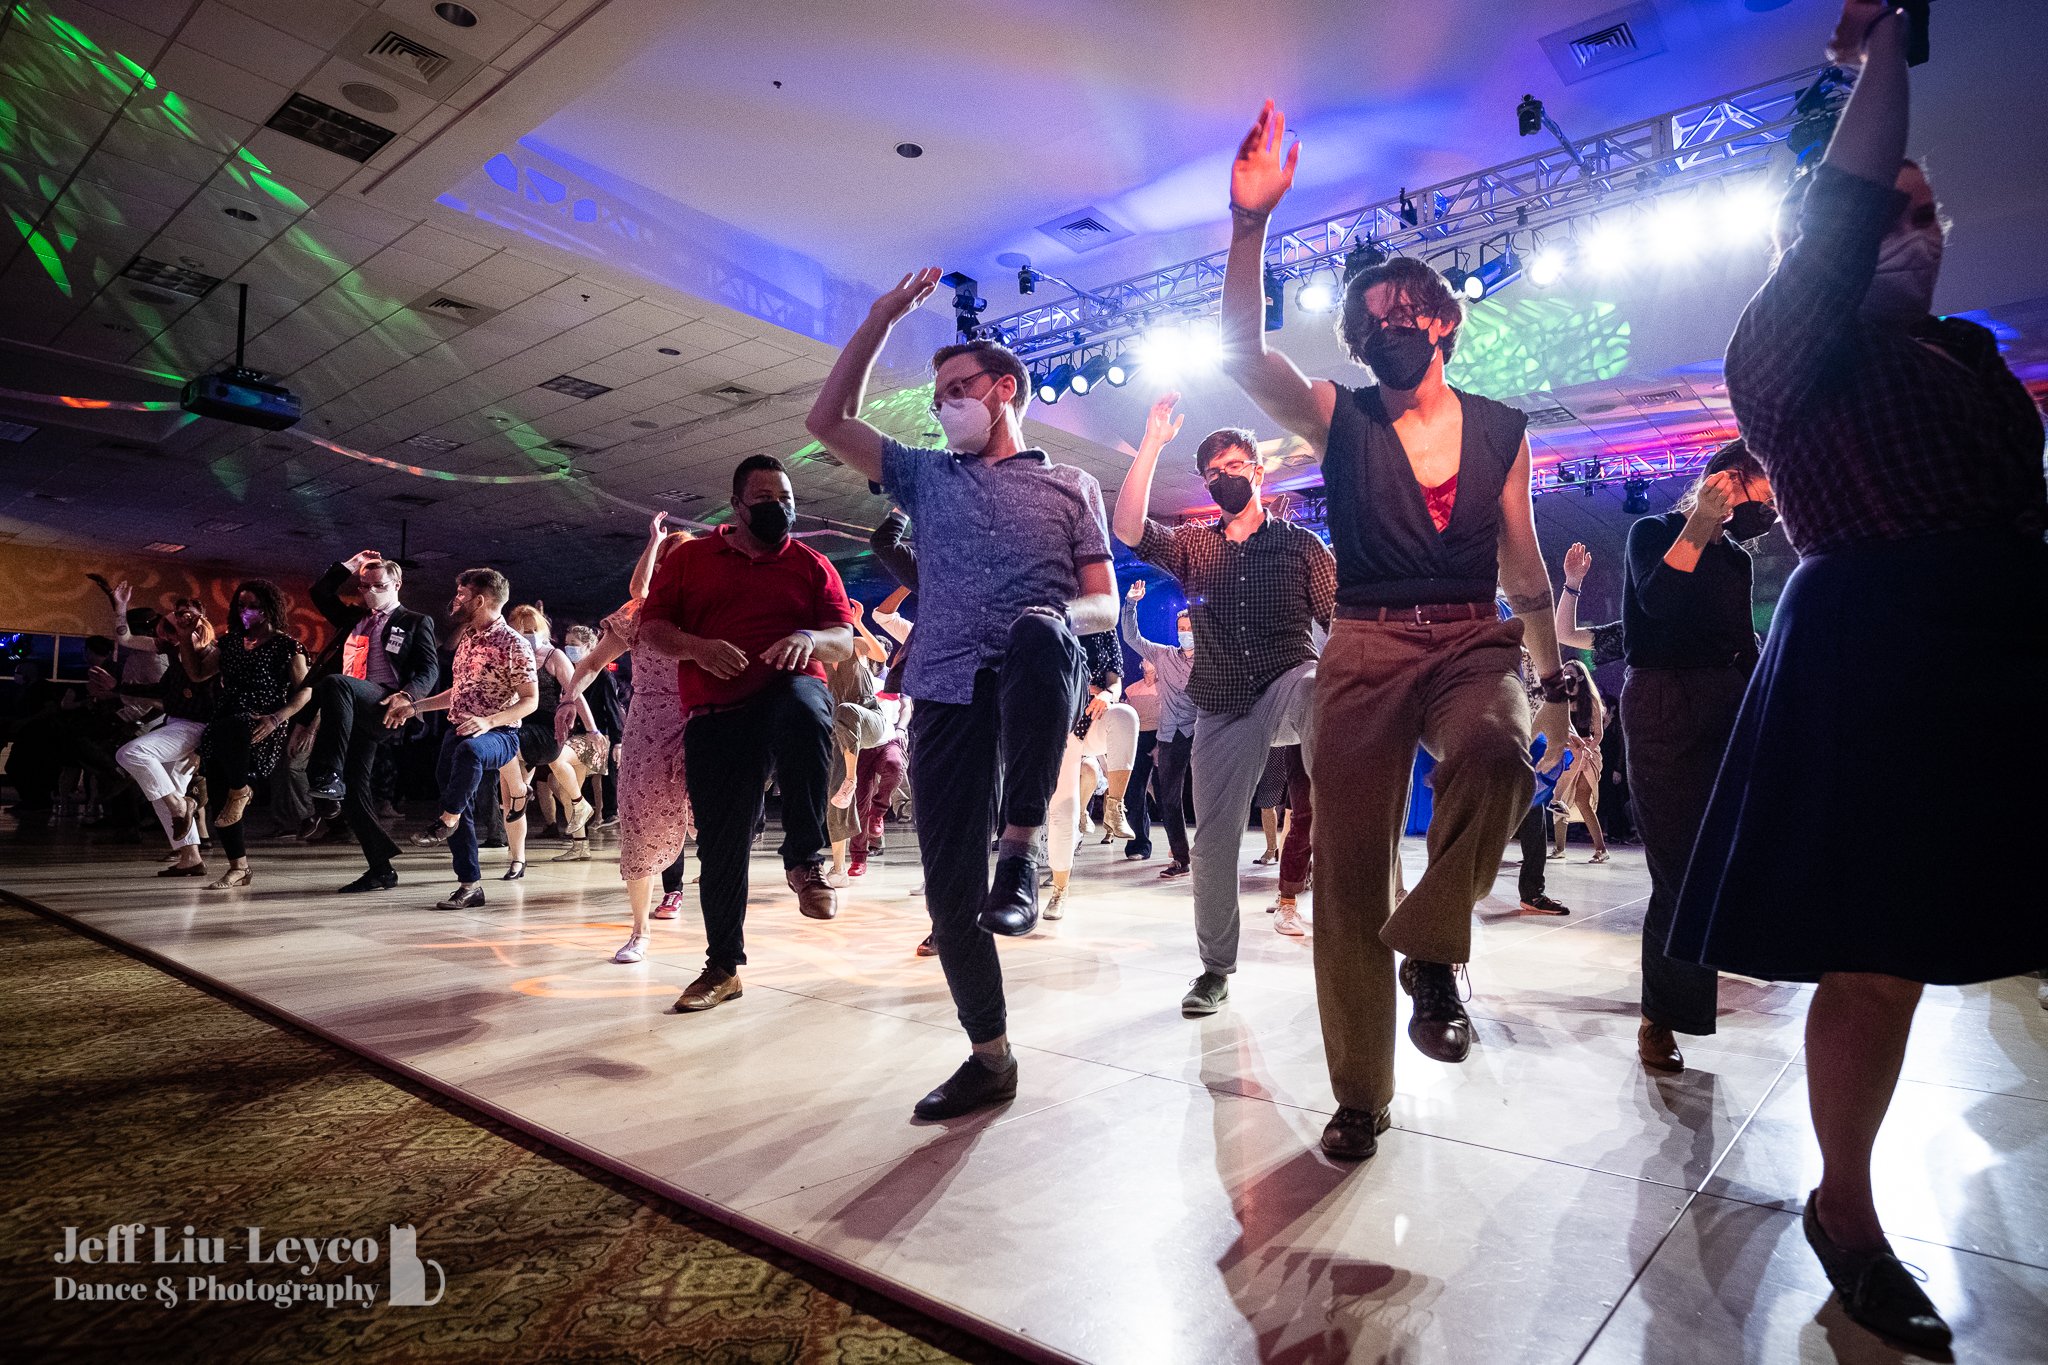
[{"x": 1554, "y": 689}]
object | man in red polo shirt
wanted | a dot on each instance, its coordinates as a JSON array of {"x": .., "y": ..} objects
[{"x": 754, "y": 616}]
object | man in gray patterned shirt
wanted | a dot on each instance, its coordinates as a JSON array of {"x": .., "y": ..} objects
[{"x": 1013, "y": 565}]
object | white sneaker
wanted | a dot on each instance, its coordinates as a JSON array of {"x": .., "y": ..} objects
[
  {"x": 634, "y": 951},
  {"x": 1287, "y": 920},
  {"x": 579, "y": 818},
  {"x": 1056, "y": 906},
  {"x": 837, "y": 879}
]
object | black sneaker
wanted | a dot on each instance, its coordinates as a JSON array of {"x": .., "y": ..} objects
[
  {"x": 1544, "y": 905},
  {"x": 974, "y": 1086},
  {"x": 1176, "y": 868},
  {"x": 327, "y": 789},
  {"x": 1206, "y": 994},
  {"x": 1439, "y": 1026}
]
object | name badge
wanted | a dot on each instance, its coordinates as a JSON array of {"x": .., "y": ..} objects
[{"x": 394, "y": 639}]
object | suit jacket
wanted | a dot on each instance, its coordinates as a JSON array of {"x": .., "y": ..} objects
[{"x": 417, "y": 663}]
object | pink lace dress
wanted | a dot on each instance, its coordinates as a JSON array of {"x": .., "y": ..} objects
[{"x": 654, "y": 805}]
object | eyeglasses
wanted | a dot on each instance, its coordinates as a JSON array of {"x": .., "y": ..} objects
[
  {"x": 1228, "y": 470},
  {"x": 956, "y": 388}
]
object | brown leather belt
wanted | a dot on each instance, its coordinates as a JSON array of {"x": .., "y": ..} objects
[{"x": 1423, "y": 613}]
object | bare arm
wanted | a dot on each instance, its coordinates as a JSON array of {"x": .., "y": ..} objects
[
  {"x": 1578, "y": 561},
  {"x": 643, "y": 568},
  {"x": 609, "y": 646},
  {"x": 558, "y": 666},
  {"x": 1259, "y": 178},
  {"x": 1134, "y": 496},
  {"x": 1870, "y": 138},
  {"x": 865, "y": 643},
  {"x": 835, "y": 420},
  {"x": 1526, "y": 583},
  {"x": 1095, "y": 609}
]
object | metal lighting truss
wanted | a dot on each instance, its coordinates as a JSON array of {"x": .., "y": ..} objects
[
  {"x": 1733, "y": 135},
  {"x": 1620, "y": 468}
]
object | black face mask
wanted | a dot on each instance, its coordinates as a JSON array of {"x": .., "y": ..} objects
[
  {"x": 1233, "y": 492},
  {"x": 1400, "y": 356},
  {"x": 1750, "y": 520},
  {"x": 770, "y": 521}
]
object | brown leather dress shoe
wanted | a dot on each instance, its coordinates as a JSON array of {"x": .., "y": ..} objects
[
  {"x": 814, "y": 895},
  {"x": 1657, "y": 1048},
  {"x": 711, "y": 989}
]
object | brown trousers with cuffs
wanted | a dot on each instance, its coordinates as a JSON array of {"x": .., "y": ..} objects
[{"x": 1383, "y": 688}]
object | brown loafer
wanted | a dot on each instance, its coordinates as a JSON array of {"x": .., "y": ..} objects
[
  {"x": 711, "y": 989},
  {"x": 814, "y": 895},
  {"x": 1657, "y": 1048}
]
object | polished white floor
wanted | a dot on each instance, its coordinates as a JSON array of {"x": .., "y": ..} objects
[{"x": 1155, "y": 1193}]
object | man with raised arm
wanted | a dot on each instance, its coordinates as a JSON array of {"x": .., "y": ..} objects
[
  {"x": 1256, "y": 588},
  {"x": 1013, "y": 566},
  {"x": 1428, "y": 496}
]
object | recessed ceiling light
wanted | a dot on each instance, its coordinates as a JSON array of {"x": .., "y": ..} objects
[
  {"x": 576, "y": 388},
  {"x": 666, "y": 350},
  {"x": 374, "y": 98},
  {"x": 240, "y": 215},
  {"x": 456, "y": 15},
  {"x": 909, "y": 151}
]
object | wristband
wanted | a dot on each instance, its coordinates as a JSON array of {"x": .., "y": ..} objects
[
  {"x": 1572, "y": 590},
  {"x": 1244, "y": 214},
  {"x": 1554, "y": 689}
]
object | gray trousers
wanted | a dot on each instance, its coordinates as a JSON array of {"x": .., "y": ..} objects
[{"x": 1230, "y": 754}]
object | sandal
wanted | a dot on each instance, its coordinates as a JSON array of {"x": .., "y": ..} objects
[
  {"x": 231, "y": 809},
  {"x": 1599, "y": 855},
  {"x": 230, "y": 880}
]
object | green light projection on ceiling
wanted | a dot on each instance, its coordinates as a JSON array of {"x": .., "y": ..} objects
[
  {"x": 1534, "y": 344},
  {"x": 46, "y": 254},
  {"x": 905, "y": 415}
]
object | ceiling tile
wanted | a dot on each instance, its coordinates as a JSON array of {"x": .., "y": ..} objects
[
  {"x": 108, "y": 26},
  {"x": 323, "y": 23},
  {"x": 165, "y": 151},
  {"x": 200, "y": 76},
  {"x": 509, "y": 267},
  {"x": 440, "y": 246},
  {"x": 195, "y": 122},
  {"x": 249, "y": 43},
  {"x": 149, "y": 182}
]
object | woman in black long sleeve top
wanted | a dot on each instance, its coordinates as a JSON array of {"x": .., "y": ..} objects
[{"x": 1690, "y": 646}]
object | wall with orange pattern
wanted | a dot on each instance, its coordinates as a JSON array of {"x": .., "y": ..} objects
[{"x": 46, "y": 591}]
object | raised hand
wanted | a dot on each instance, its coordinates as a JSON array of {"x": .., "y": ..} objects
[
  {"x": 658, "y": 527},
  {"x": 123, "y": 593},
  {"x": 354, "y": 563},
  {"x": 913, "y": 289},
  {"x": 1716, "y": 501},
  {"x": 1578, "y": 562},
  {"x": 1852, "y": 30},
  {"x": 1137, "y": 592},
  {"x": 1162, "y": 424},
  {"x": 1261, "y": 176}
]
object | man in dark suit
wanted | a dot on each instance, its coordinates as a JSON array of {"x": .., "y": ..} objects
[{"x": 381, "y": 651}]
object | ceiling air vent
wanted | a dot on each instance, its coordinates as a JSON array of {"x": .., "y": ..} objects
[
  {"x": 179, "y": 280},
  {"x": 220, "y": 528},
  {"x": 1605, "y": 41},
  {"x": 550, "y": 528},
  {"x": 17, "y": 432},
  {"x": 1085, "y": 230},
  {"x": 440, "y": 445},
  {"x": 330, "y": 129},
  {"x": 574, "y": 387},
  {"x": 413, "y": 58},
  {"x": 163, "y": 547},
  {"x": 412, "y": 500},
  {"x": 679, "y": 495},
  {"x": 733, "y": 393},
  {"x": 1552, "y": 416},
  {"x": 1659, "y": 398},
  {"x": 570, "y": 447},
  {"x": 436, "y": 304}
]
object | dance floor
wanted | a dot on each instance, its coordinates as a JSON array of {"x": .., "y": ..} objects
[{"x": 1155, "y": 1192}]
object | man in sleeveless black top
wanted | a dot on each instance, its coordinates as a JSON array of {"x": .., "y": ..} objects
[{"x": 1428, "y": 496}]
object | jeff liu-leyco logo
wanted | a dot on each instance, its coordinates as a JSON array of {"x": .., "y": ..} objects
[{"x": 128, "y": 1263}]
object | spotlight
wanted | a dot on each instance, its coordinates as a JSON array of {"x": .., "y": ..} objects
[
  {"x": 1318, "y": 295},
  {"x": 1547, "y": 266},
  {"x": 1493, "y": 276},
  {"x": 1675, "y": 231},
  {"x": 1276, "y": 302},
  {"x": 1609, "y": 246},
  {"x": 1636, "y": 499},
  {"x": 1463, "y": 283},
  {"x": 1053, "y": 385},
  {"x": 1092, "y": 372},
  {"x": 1746, "y": 213},
  {"x": 1529, "y": 113},
  {"x": 1118, "y": 373},
  {"x": 1172, "y": 350},
  {"x": 967, "y": 303},
  {"x": 1027, "y": 280},
  {"x": 1364, "y": 256},
  {"x": 1567, "y": 473},
  {"x": 1407, "y": 209}
]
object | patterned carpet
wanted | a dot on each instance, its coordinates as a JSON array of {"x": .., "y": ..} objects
[{"x": 127, "y": 1095}]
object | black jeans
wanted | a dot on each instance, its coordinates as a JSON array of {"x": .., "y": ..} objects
[
  {"x": 1137, "y": 806},
  {"x": 1170, "y": 779},
  {"x": 1678, "y": 721},
  {"x": 726, "y": 758},
  {"x": 1014, "y": 732},
  {"x": 351, "y": 728},
  {"x": 1534, "y": 835}
]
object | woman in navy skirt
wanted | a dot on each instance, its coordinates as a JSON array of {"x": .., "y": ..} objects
[{"x": 1906, "y": 459}]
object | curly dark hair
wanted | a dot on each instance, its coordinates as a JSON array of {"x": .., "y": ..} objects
[
  {"x": 1419, "y": 286},
  {"x": 269, "y": 597}
]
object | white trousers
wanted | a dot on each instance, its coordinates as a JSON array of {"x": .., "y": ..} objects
[
  {"x": 1113, "y": 738},
  {"x": 162, "y": 763}
]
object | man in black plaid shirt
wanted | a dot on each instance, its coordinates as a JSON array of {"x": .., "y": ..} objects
[{"x": 1255, "y": 587}]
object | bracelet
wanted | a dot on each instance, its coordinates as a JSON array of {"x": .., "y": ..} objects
[
  {"x": 1244, "y": 214},
  {"x": 1554, "y": 689},
  {"x": 1572, "y": 590}
]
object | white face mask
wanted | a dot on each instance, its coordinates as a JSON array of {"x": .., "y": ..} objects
[
  {"x": 967, "y": 424},
  {"x": 1903, "y": 288},
  {"x": 573, "y": 653},
  {"x": 534, "y": 638},
  {"x": 1187, "y": 639},
  {"x": 381, "y": 598}
]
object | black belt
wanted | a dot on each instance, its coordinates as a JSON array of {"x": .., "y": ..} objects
[{"x": 1423, "y": 613}]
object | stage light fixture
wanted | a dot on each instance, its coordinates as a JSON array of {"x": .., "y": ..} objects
[
  {"x": 1092, "y": 372},
  {"x": 1173, "y": 350},
  {"x": 1747, "y": 213},
  {"x": 1119, "y": 371},
  {"x": 1636, "y": 499},
  {"x": 1547, "y": 266},
  {"x": 1027, "y": 280},
  {"x": 1529, "y": 115},
  {"x": 1317, "y": 295},
  {"x": 1567, "y": 473},
  {"x": 967, "y": 303},
  {"x": 1364, "y": 256},
  {"x": 1276, "y": 301},
  {"x": 1408, "y": 215},
  {"x": 1053, "y": 385},
  {"x": 1609, "y": 246},
  {"x": 1675, "y": 231}
]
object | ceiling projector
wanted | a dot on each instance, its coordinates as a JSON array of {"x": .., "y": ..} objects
[{"x": 241, "y": 395}]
